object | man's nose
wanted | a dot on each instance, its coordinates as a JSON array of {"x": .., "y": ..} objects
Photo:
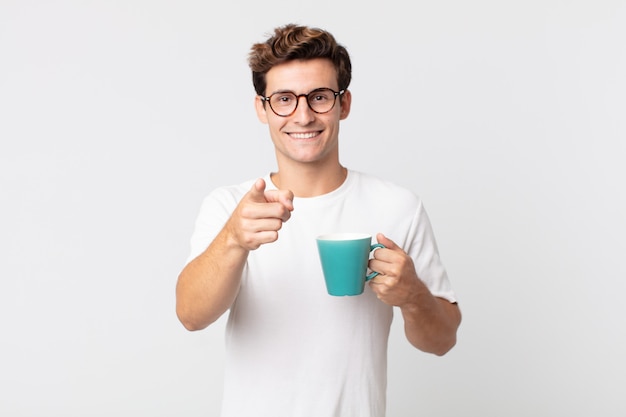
[{"x": 304, "y": 113}]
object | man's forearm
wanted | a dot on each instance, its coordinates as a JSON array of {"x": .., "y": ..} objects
[
  {"x": 431, "y": 323},
  {"x": 209, "y": 284}
]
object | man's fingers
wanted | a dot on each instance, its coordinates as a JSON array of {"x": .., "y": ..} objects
[
  {"x": 284, "y": 197},
  {"x": 256, "y": 193},
  {"x": 263, "y": 224},
  {"x": 384, "y": 240}
]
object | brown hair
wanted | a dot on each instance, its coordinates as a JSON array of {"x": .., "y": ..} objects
[{"x": 292, "y": 42}]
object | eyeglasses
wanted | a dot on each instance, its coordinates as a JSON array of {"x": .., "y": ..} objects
[{"x": 285, "y": 103}]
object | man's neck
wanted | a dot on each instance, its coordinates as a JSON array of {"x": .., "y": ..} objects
[{"x": 310, "y": 181}]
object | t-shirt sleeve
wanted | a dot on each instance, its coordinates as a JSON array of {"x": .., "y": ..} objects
[
  {"x": 425, "y": 253},
  {"x": 215, "y": 210}
]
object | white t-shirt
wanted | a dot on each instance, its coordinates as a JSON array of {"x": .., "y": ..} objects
[{"x": 293, "y": 350}]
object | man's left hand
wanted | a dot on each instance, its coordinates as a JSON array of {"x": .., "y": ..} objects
[{"x": 397, "y": 283}]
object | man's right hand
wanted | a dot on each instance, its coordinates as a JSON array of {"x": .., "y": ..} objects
[{"x": 259, "y": 216}]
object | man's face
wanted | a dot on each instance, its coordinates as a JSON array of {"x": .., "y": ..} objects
[{"x": 304, "y": 136}]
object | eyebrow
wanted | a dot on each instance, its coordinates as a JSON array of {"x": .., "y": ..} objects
[{"x": 293, "y": 92}]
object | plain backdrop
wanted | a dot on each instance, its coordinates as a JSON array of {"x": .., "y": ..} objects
[{"x": 506, "y": 117}]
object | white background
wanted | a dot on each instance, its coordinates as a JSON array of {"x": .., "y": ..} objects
[{"x": 118, "y": 117}]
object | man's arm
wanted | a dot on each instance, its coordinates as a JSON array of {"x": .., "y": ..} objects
[
  {"x": 209, "y": 284},
  {"x": 430, "y": 323}
]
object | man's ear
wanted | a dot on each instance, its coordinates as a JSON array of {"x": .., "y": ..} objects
[
  {"x": 261, "y": 113},
  {"x": 346, "y": 101}
]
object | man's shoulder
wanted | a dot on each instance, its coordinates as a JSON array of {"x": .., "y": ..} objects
[
  {"x": 230, "y": 193},
  {"x": 377, "y": 184}
]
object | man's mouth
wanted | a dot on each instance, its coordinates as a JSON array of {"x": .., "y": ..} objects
[{"x": 304, "y": 135}]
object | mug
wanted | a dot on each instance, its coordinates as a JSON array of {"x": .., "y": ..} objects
[{"x": 344, "y": 258}]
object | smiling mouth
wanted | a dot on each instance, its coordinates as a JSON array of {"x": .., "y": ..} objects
[{"x": 304, "y": 135}]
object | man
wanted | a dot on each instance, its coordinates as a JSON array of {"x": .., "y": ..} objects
[{"x": 292, "y": 349}]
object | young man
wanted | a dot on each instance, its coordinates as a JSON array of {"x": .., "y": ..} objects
[{"x": 292, "y": 349}]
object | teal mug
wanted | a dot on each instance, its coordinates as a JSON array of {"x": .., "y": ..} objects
[{"x": 344, "y": 258}]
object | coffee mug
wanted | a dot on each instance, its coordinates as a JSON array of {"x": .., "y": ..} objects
[{"x": 344, "y": 258}]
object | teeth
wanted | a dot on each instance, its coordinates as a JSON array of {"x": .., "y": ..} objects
[{"x": 303, "y": 135}]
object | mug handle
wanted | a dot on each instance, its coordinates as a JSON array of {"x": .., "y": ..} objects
[{"x": 374, "y": 273}]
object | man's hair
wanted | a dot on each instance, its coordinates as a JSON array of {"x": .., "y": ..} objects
[{"x": 293, "y": 42}]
